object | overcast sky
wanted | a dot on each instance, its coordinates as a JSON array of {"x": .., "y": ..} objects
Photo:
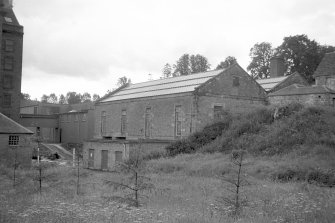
[{"x": 85, "y": 45}]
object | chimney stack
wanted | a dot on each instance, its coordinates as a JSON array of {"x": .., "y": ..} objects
[
  {"x": 8, "y": 4},
  {"x": 277, "y": 67}
]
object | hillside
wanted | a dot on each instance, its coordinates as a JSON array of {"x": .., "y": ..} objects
[{"x": 266, "y": 131}]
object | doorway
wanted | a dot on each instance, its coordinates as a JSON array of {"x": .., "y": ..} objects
[
  {"x": 104, "y": 159},
  {"x": 90, "y": 158}
]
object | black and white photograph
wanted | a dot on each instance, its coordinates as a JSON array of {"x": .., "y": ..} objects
[{"x": 167, "y": 111}]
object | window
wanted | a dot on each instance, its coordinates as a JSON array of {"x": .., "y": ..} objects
[
  {"x": 7, "y": 100},
  {"x": 178, "y": 120},
  {"x": 7, "y": 82},
  {"x": 84, "y": 118},
  {"x": 35, "y": 112},
  {"x": 103, "y": 122},
  {"x": 236, "y": 81},
  {"x": 147, "y": 127},
  {"x": 13, "y": 140},
  {"x": 76, "y": 118},
  {"x": 123, "y": 122},
  {"x": 118, "y": 156},
  {"x": 9, "y": 63},
  {"x": 9, "y": 45},
  {"x": 217, "y": 112},
  {"x": 8, "y": 19}
]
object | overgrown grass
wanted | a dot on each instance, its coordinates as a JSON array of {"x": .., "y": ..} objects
[
  {"x": 186, "y": 190},
  {"x": 258, "y": 132}
]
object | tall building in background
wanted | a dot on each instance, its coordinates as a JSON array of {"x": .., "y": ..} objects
[{"x": 11, "y": 43}]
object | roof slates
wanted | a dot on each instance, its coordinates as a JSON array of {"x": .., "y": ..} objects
[{"x": 174, "y": 85}]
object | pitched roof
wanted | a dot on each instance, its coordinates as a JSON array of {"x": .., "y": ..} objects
[
  {"x": 8, "y": 126},
  {"x": 269, "y": 83},
  {"x": 326, "y": 66},
  {"x": 173, "y": 85},
  {"x": 296, "y": 89}
]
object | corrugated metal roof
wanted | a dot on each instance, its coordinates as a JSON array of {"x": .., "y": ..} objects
[
  {"x": 8, "y": 126},
  {"x": 270, "y": 83},
  {"x": 173, "y": 85}
]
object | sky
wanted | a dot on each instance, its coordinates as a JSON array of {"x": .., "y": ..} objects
[{"x": 85, "y": 45}]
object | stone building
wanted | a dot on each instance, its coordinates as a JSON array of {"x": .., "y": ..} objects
[
  {"x": 161, "y": 111},
  {"x": 322, "y": 93},
  {"x": 278, "y": 79},
  {"x": 58, "y": 123},
  {"x": 11, "y": 42},
  {"x": 15, "y": 143}
]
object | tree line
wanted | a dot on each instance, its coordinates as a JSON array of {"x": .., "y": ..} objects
[
  {"x": 300, "y": 54},
  {"x": 73, "y": 97},
  {"x": 70, "y": 98},
  {"x": 189, "y": 64}
]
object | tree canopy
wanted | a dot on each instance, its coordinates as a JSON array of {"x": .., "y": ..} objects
[
  {"x": 123, "y": 80},
  {"x": 226, "y": 63},
  {"x": 260, "y": 55},
  {"x": 299, "y": 52},
  {"x": 25, "y": 96},
  {"x": 167, "y": 70},
  {"x": 302, "y": 55},
  {"x": 73, "y": 98},
  {"x": 185, "y": 65}
]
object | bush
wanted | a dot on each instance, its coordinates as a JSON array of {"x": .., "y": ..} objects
[
  {"x": 198, "y": 139},
  {"x": 287, "y": 174}
]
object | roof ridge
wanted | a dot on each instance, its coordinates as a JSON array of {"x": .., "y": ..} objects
[{"x": 179, "y": 76}]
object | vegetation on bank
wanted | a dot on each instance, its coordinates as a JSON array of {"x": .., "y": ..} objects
[{"x": 266, "y": 131}]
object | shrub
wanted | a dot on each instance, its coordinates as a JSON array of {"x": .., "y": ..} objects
[
  {"x": 286, "y": 174},
  {"x": 198, "y": 139}
]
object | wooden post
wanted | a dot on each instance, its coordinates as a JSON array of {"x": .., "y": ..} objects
[{"x": 73, "y": 157}]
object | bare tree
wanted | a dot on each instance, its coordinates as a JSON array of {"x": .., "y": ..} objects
[
  {"x": 136, "y": 181},
  {"x": 234, "y": 200},
  {"x": 15, "y": 165}
]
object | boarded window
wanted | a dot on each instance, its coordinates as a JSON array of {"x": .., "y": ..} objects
[
  {"x": 147, "y": 127},
  {"x": 7, "y": 82},
  {"x": 178, "y": 120},
  {"x": 236, "y": 81},
  {"x": 218, "y": 112},
  {"x": 103, "y": 122},
  {"x": 118, "y": 156},
  {"x": 13, "y": 140},
  {"x": 9, "y": 45},
  {"x": 84, "y": 117},
  {"x": 123, "y": 122},
  {"x": 9, "y": 63},
  {"x": 7, "y": 100},
  {"x": 104, "y": 159}
]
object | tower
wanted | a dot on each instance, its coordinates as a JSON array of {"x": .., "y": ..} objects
[{"x": 11, "y": 44}]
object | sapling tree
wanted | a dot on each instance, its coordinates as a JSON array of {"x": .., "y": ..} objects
[
  {"x": 15, "y": 165},
  {"x": 233, "y": 200},
  {"x": 136, "y": 181}
]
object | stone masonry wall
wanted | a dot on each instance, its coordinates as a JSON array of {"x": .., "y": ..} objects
[
  {"x": 162, "y": 117},
  {"x": 311, "y": 99},
  {"x": 23, "y": 151}
]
